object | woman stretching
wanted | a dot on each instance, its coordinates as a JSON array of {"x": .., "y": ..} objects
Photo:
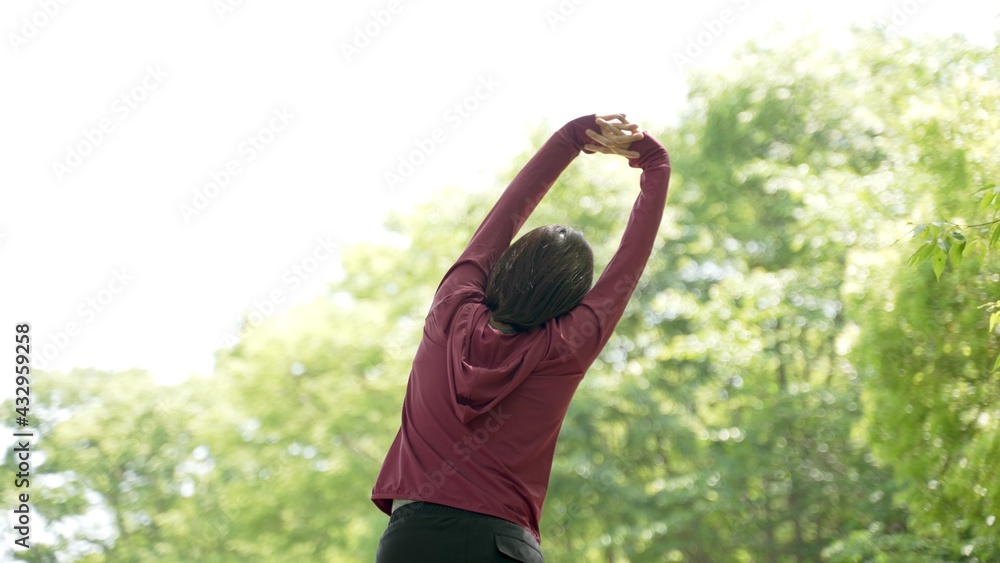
[{"x": 510, "y": 334}]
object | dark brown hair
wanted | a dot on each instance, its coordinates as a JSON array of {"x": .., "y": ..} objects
[{"x": 541, "y": 276}]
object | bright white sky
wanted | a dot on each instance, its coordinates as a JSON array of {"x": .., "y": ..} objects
[{"x": 102, "y": 246}]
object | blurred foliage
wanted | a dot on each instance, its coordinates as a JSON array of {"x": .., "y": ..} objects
[{"x": 797, "y": 379}]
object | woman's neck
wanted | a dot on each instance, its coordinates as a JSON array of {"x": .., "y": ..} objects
[{"x": 502, "y": 327}]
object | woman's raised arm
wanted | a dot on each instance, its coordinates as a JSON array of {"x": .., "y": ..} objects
[
  {"x": 586, "y": 329},
  {"x": 521, "y": 197}
]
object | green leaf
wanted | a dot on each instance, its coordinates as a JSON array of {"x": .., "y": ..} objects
[
  {"x": 938, "y": 261},
  {"x": 922, "y": 253},
  {"x": 956, "y": 253},
  {"x": 987, "y": 200},
  {"x": 997, "y": 364},
  {"x": 994, "y": 319}
]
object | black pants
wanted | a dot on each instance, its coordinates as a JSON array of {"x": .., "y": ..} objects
[{"x": 423, "y": 532}]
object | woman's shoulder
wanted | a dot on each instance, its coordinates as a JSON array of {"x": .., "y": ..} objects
[{"x": 446, "y": 309}]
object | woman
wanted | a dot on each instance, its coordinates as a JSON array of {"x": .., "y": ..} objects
[{"x": 510, "y": 334}]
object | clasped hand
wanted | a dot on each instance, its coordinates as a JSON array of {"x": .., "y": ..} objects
[{"x": 615, "y": 136}]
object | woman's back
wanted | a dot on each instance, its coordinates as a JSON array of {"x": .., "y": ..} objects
[{"x": 483, "y": 408}]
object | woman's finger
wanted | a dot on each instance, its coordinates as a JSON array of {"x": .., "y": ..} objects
[
  {"x": 605, "y": 124},
  {"x": 623, "y": 139},
  {"x": 599, "y": 138},
  {"x": 619, "y": 116},
  {"x": 625, "y": 128},
  {"x": 632, "y": 137},
  {"x": 598, "y": 148},
  {"x": 611, "y": 150},
  {"x": 626, "y": 153},
  {"x": 623, "y": 125}
]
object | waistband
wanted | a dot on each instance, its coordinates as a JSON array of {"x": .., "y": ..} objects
[
  {"x": 397, "y": 502},
  {"x": 407, "y": 508}
]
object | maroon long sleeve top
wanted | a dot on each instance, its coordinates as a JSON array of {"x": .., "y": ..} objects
[{"x": 483, "y": 409}]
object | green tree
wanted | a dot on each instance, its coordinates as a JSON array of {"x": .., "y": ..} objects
[
  {"x": 927, "y": 347},
  {"x": 117, "y": 473},
  {"x": 783, "y": 387}
]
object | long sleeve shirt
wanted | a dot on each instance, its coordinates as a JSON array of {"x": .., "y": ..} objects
[{"x": 483, "y": 408}]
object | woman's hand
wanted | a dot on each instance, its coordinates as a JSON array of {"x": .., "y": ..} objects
[{"x": 615, "y": 136}]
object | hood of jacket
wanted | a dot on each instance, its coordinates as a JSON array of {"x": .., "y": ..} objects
[{"x": 486, "y": 365}]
